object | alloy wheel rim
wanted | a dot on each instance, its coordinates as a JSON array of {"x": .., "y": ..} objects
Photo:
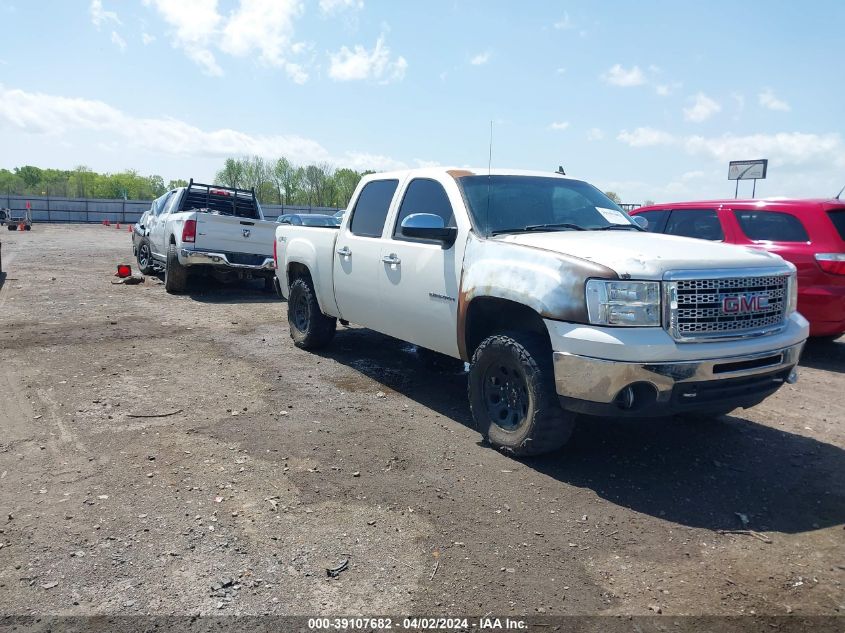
[
  {"x": 505, "y": 395},
  {"x": 301, "y": 315}
]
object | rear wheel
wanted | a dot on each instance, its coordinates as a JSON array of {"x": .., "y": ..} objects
[
  {"x": 513, "y": 398},
  {"x": 175, "y": 274},
  {"x": 145, "y": 258},
  {"x": 28, "y": 227},
  {"x": 12, "y": 227},
  {"x": 309, "y": 327}
]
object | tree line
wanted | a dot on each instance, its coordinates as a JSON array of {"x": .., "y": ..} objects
[
  {"x": 280, "y": 181},
  {"x": 277, "y": 181}
]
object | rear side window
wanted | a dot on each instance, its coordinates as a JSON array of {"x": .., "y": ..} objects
[
  {"x": 425, "y": 196},
  {"x": 771, "y": 226},
  {"x": 700, "y": 223},
  {"x": 837, "y": 216},
  {"x": 371, "y": 208},
  {"x": 656, "y": 220}
]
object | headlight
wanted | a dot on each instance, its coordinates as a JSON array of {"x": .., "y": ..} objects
[
  {"x": 631, "y": 303},
  {"x": 792, "y": 284}
]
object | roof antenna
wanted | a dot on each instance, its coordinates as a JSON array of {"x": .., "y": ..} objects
[
  {"x": 560, "y": 170},
  {"x": 489, "y": 167},
  {"x": 839, "y": 195}
]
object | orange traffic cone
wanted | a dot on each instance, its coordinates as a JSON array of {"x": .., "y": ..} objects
[
  {"x": 117, "y": 226},
  {"x": 106, "y": 222},
  {"x": 129, "y": 228}
]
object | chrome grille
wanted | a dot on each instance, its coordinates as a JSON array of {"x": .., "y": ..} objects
[{"x": 725, "y": 308}]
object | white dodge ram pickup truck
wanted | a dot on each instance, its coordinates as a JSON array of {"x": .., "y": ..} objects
[
  {"x": 207, "y": 228},
  {"x": 559, "y": 301}
]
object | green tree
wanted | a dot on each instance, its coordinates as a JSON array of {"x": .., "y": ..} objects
[
  {"x": 648, "y": 203},
  {"x": 345, "y": 182},
  {"x": 175, "y": 184},
  {"x": 30, "y": 175},
  {"x": 613, "y": 196},
  {"x": 232, "y": 174}
]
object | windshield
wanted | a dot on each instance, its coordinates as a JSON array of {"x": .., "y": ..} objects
[{"x": 528, "y": 203}]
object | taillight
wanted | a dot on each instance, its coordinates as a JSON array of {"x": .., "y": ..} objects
[
  {"x": 275, "y": 256},
  {"x": 189, "y": 231},
  {"x": 833, "y": 263}
]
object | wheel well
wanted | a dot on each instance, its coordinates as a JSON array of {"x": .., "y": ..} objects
[
  {"x": 490, "y": 315},
  {"x": 296, "y": 271}
]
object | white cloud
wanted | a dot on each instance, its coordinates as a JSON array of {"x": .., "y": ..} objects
[
  {"x": 645, "y": 137},
  {"x": 146, "y": 38},
  {"x": 784, "y": 148},
  {"x": 480, "y": 59},
  {"x": 360, "y": 64},
  {"x": 100, "y": 16},
  {"x": 769, "y": 100},
  {"x": 559, "y": 125},
  {"x": 565, "y": 23},
  {"x": 265, "y": 27},
  {"x": 619, "y": 76},
  {"x": 703, "y": 107},
  {"x": 332, "y": 7},
  {"x": 118, "y": 41},
  {"x": 560, "y": 70},
  {"x": 595, "y": 134}
]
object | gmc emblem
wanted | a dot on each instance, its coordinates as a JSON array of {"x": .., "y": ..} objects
[{"x": 744, "y": 303}]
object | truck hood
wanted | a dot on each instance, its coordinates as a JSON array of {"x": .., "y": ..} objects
[{"x": 641, "y": 255}]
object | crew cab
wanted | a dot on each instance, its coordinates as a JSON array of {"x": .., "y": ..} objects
[
  {"x": 808, "y": 233},
  {"x": 561, "y": 303},
  {"x": 205, "y": 228}
]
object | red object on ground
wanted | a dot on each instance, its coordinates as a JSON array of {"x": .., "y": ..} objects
[
  {"x": 117, "y": 226},
  {"x": 808, "y": 233},
  {"x": 106, "y": 222},
  {"x": 123, "y": 270}
]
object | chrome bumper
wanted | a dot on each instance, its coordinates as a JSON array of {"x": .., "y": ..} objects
[
  {"x": 191, "y": 258},
  {"x": 602, "y": 381}
]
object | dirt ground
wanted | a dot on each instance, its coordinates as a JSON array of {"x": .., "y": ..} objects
[{"x": 277, "y": 464}]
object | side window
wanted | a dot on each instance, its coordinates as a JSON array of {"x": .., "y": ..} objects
[
  {"x": 656, "y": 220},
  {"x": 701, "y": 223},
  {"x": 771, "y": 226},
  {"x": 371, "y": 208},
  {"x": 424, "y": 196},
  {"x": 172, "y": 202},
  {"x": 158, "y": 203}
]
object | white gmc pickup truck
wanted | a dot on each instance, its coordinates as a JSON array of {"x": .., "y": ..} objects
[
  {"x": 205, "y": 228},
  {"x": 559, "y": 301}
]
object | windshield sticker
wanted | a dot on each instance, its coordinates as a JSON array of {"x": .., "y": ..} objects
[{"x": 613, "y": 216}]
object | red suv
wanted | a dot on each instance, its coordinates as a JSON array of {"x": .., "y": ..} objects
[{"x": 808, "y": 233}]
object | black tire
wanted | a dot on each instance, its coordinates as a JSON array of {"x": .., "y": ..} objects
[
  {"x": 309, "y": 327},
  {"x": 12, "y": 227},
  {"x": 513, "y": 398},
  {"x": 145, "y": 257},
  {"x": 28, "y": 227},
  {"x": 175, "y": 274}
]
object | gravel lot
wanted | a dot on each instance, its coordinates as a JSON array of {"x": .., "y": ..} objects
[{"x": 280, "y": 464}]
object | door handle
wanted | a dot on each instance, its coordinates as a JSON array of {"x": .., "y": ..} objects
[
  {"x": 344, "y": 252},
  {"x": 391, "y": 259}
]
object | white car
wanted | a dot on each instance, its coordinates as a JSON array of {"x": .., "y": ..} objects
[
  {"x": 207, "y": 228},
  {"x": 560, "y": 302}
]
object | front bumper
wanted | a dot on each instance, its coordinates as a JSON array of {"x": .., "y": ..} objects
[
  {"x": 190, "y": 257},
  {"x": 605, "y": 387}
]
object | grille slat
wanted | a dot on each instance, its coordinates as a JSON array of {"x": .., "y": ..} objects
[{"x": 708, "y": 308}]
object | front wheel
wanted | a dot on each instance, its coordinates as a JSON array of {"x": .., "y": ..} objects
[
  {"x": 309, "y": 327},
  {"x": 513, "y": 398},
  {"x": 145, "y": 258}
]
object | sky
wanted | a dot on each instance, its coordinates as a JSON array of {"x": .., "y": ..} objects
[{"x": 648, "y": 99}]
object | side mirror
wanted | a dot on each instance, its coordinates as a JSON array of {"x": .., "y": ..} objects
[
  {"x": 640, "y": 221},
  {"x": 428, "y": 226}
]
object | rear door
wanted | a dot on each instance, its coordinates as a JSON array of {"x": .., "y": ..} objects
[
  {"x": 357, "y": 256},
  {"x": 780, "y": 232},
  {"x": 158, "y": 224},
  {"x": 419, "y": 280}
]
